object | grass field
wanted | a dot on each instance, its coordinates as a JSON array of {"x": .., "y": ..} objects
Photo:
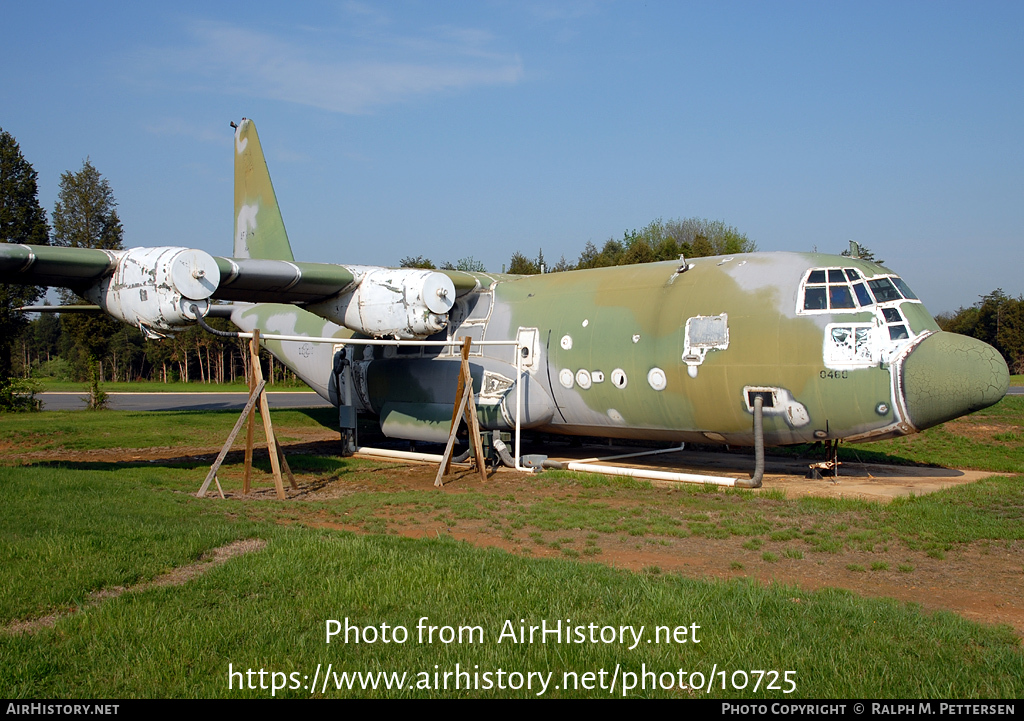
[{"x": 74, "y": 529}]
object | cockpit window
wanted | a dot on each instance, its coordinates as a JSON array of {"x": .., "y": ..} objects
[
  {"x": 839, "y": 296},
  {"x": 863, "y": 297},
  {"x": 904, "y": 288},
  {"x": 840, "y": 289},
  {"x": 898, "y": 332},
  {"x": 884, "y": 290},
  {"x": 814, "y": 298}
]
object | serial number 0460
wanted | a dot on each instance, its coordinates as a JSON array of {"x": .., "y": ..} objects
[{"x": 834, "y": 375}]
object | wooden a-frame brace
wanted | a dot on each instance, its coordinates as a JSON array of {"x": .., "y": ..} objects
[
  {"x": 257, "y": 394},
  {"x": 463, "y": 400}
]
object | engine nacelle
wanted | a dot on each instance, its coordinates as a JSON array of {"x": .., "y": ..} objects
[
  {"x": 154, "y": 288},
  {"x": 404, "y": 303}
]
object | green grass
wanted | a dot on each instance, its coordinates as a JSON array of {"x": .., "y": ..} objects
[
  {"x": 65, "y": 532},
  {"x": 79, "y": 430},
  {"x": 71, "y": 528},
  {"x": 268, "y": 610}
]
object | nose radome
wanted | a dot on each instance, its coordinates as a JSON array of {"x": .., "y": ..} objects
[{"x": 948, "y": 375}]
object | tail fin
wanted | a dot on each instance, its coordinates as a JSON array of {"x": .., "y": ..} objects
[{"x": 259, "y": 227}]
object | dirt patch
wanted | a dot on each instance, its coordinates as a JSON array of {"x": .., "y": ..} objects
[{"x": 175, "y": 577}]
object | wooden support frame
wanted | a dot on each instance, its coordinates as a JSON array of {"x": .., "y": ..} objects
[
  {"x": 464, "y": 405},
  {"x": 257, "y": 397}
]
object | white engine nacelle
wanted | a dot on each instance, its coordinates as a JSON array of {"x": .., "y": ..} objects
[
  {"x": 404, "y": 303},
  {"x": 154, "y": 288}
]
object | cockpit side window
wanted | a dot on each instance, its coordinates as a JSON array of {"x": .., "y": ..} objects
[
  {"x": 884, "y": 290},
  {"x": 904, "y": 288},
  {"x": 815, "y": 299}
]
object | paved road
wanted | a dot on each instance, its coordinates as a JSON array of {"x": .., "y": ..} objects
[
  {"x": 208, "y": 401},
  {"x": 179, "y": 401}
]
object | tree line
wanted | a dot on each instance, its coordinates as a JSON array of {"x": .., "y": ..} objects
[
  {"x": 658, "y": 240},
  {"x": 996, "y": 319}
]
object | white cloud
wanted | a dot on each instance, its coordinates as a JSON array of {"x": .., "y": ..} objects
[{"x": 336, "y": 73}]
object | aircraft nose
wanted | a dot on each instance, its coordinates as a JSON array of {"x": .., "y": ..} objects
[{"x": 948, "y": 375}]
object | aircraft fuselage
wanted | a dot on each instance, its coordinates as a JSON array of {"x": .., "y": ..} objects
[{"x": 836, "y": 347}]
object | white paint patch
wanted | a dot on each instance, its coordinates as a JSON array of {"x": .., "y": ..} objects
[
  {"x": 615, "y": 416},
  {"x": 636, "y": 337},
  {"x": 583, "y": 379},
  {"x": 691, "y": 371},
  {"x": 619, "y": 379},
  {"x": 566, "y": 342},
  {"x": 245, "y": 223},
  {"x": 565, "y": 378},
  {"x": 657, "y": 379},
  {"x": 240, "y": 142},
  {"x": 597, "y": 376},
  {"x": 586, "y": 322}
]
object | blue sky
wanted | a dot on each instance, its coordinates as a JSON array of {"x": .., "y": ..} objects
[{"x": 480, "y": 128}]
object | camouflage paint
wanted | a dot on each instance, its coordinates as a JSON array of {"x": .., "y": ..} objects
[{"x": 259, "y": 226}]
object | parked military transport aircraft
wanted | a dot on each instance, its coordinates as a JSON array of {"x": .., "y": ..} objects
[{"x": 830, "y": 347}]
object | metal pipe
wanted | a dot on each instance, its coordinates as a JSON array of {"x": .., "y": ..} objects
[{"x": 680, "y": 447}]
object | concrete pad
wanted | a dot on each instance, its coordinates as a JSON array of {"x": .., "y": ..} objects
[{"x": 866, "y": 481}]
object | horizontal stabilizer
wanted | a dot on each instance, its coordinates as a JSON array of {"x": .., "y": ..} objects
[
  {"x": 60, "y": 309},
  {"x": 46, "y": 265}
]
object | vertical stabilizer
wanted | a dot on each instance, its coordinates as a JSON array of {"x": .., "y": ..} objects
[{"x": 259, "y": 227}]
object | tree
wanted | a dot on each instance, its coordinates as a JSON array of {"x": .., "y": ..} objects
[
  {"x": 419, "y": 261},
  {"x": 85, "y": 216},
  {"x": 996, "y": 319},
  {"x": 519, "y": 264},
  {"x": 468, "y": 264},
  {"x": 22, "y": 220}
]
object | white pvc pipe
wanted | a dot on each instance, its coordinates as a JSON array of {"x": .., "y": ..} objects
[
  {"x": 651, "y": 474},
  {"x": 400, "y": 455}
]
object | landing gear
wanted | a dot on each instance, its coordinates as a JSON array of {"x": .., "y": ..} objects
[{"x": 830, "y": 466}]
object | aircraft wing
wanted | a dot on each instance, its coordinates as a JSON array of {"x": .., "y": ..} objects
[
  {"x": 255, "y": 280},
  {"x": 156, "y": 289}
]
